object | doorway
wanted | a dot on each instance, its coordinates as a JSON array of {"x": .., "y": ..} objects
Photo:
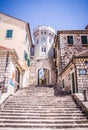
[
  {"x": 73, "y": 83},
  {"x": 43, "y": 76}
]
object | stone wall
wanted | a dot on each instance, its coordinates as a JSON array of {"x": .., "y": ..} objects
[
  {"x": 35, "y": 65},
  {"x": 68, "y": 50},
  {"x": 82, "y": 79},
  {"x": 4, "y": 71},
  {"x": 65, "y": 79},
  {"x": 7, "y": 68}
]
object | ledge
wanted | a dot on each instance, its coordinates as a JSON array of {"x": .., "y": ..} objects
[
  {"x": 78, "y": 97},
  {"x": 4, "y": 97}
]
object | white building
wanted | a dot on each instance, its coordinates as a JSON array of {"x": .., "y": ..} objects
[
  {"x": 15, "y": 34},
  {"x": 44, "y": 41}
]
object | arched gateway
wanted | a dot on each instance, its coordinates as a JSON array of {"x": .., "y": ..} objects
[{"x": 43, "y": 76}]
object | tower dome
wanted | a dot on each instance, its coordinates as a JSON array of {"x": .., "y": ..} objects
[{"x": 44, "y": 40}]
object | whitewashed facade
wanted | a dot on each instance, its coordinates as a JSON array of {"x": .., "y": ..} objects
[{"x": 15, "y": 34}]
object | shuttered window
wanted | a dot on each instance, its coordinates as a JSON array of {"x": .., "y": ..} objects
[
  {"x": 28, "y": 63},
  {"x": 9, "y": 33},
  {"x": 25, "y": 56}
]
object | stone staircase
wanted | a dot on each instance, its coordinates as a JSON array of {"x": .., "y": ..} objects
[{"x": 37, "y": 107}]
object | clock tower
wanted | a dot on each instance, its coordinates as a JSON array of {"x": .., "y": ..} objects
[
  {"x": 44, "y": 40},
  {"x": 42, "y": 64}
]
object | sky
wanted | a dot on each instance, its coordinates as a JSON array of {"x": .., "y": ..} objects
[{"x": 59, "y": 14}]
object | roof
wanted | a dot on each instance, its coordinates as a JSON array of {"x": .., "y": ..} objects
[
  {"x": 83, "y": 54},
  {"x": 12, "y": 17},
  {"x": 22, "y": 65},
  {"x": 72, "y": 32}
]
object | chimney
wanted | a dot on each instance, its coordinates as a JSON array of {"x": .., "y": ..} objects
[{"x": 86, "y": 28}]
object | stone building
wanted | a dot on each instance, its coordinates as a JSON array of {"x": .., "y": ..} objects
[
  {"x": 42, "y": 65},
  {"x": 71, "y": 65},
  {"x": 11, "y": 72},
  {"x": 15, "y": 34}
]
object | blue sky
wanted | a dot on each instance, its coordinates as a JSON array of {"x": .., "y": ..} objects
[{"x": 60, "y": 14}]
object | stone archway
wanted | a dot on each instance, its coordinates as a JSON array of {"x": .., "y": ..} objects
[{"x": 43, "y": 76}]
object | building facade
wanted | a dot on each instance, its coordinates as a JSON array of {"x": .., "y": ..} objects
[
  {"x": 15, "y": 34},
  {"x": 11, "y": 73},
  {"x": 70, "y": 63}
]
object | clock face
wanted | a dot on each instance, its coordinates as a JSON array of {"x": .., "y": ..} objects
[{"x": 43, "y": 40}]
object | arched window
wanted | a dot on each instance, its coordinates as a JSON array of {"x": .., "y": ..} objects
[{"x": 43, "y": 49}]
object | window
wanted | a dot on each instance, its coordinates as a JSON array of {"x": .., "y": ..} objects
[
  {"x": 9, "y": 33},
  {"x": 84, "y": 39},
  {"x": 28, "y": 63},
  {"x": 25, "y": 56},
  {"x": 41, "y": 32},
  {"x": 82, "y": 72},
  {"x": 63, "y": 83},
  {"x": 70, "y": 39},
  {"x": 43, "y": 49},
  {"x": 44, "y": 32},
  {"x": 54, "y": 53},
  {"x": 86, "y": 62}
]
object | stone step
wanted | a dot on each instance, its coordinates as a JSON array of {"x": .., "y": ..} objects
[
  {"x": 43, "y": 110},
  {"x": 43, "y": 118},
  {"x": 27, "y": 121},
  {"x": 41, "y": 103},
  {"x": 39, "y": 108},
  {"x": 27, "y": 103},
  {"x": 43, "y": 125},
  {"x": 39, "y": 100},
  {"x": 40, "y": 114},
  {"x": 42, "y": 107}
]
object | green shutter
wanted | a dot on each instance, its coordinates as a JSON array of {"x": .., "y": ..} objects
[
  {"x": 9, "y": 33},
  {"x": 25, "y": 56},
  {"x": 28, "y": 62}
]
